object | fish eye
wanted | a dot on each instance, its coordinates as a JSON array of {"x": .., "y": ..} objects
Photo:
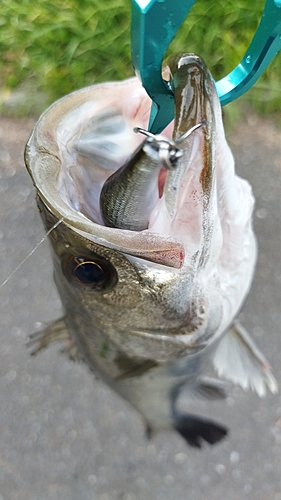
[
  {"x": 174, "y": 154},
  {"x": 92, "y": 274},
  {"x": 88, "y": 272}
]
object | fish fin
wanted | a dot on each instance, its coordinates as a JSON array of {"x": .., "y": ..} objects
[
  {"x": 71, "y": 350},
  {"x": 210, "y": 388},
  {"x": 56, "y": 331},
  {"x": 197, "y": 429},
  {"x": 238, "y": 359}
]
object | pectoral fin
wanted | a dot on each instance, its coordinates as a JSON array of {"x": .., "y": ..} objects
[
  {"x": 56, "y": 331},
  {"x": 239, "y": 360}
]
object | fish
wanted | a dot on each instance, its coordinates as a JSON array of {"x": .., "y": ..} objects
[{"x": 150, "y": 302}]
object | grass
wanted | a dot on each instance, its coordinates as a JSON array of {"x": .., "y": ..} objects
[{"x": 48, "y": 49}]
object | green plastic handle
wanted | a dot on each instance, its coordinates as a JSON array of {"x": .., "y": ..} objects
[
  {"x": 263, "y": 48},
  {"x": 154, "y": 25}
]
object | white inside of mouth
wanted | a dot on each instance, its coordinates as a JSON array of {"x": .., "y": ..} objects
[{"x": 93, "y": 144}]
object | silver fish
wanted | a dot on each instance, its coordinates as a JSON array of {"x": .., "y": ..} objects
[
  {"x": 136, "y": 183},
  {"x": 146, "y": 309}
]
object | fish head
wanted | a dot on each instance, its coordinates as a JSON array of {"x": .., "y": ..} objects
[{"x": 169, "y": 290}]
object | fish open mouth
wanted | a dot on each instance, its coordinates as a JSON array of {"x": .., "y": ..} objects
[
  {"x": 102, "y": 138},
  {"x": 95, "y": 137},
  {"x": 86, "y": 137}
]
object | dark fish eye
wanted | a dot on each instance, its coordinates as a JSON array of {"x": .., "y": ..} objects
[{"x": 90, "y": 273}]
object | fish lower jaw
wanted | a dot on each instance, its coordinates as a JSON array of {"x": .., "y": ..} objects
[{"x": 162, "y": 345}]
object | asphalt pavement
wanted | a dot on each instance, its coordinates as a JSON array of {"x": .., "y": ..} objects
[{"x": 65, "y": 435}]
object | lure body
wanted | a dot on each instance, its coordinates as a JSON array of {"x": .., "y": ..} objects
[{"x": 135, "y": 184}]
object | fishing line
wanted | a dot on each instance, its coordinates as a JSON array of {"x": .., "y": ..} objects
[{"x": 31, "y": 253}]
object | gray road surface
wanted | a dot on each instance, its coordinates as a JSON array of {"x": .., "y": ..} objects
[{"x": 65, "y": 435}]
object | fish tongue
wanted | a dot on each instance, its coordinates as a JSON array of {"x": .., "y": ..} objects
[{"x": 183, "y": 208}]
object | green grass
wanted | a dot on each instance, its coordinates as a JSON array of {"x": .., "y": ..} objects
[{"x": 52, "y": 48}]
